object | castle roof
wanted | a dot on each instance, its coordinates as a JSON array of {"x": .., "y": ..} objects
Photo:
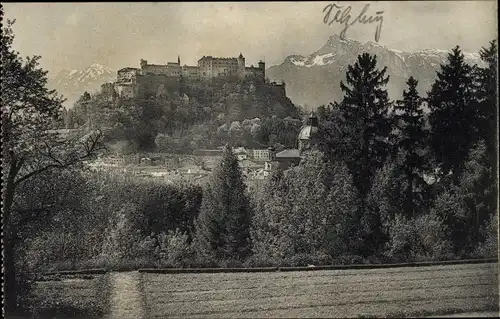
[
  {"x": 209, "y": 57},
  {"x": 163, "y": 65},
  {"x": 124, "y": 84},
  {"x": 128, "y": 69}
]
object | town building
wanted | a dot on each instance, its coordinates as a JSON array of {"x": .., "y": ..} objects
[
  {"x": 117, "y": 161},
  {"x": 146, "y": 161},
  {"x": 288, "y": 158},
  {"x": 307, "y": 139},
  {"x": 241, "y": 153},
  {"x": 262, "y": 154}
]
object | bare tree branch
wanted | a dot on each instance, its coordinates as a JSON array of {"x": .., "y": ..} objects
[{"x": 90, "y": 148}]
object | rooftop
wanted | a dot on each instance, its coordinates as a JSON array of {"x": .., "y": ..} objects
[
  {"x": 288, "y": 153},
  {"x": 249, "y": 163},
  {"x": 240, "y": 150},
  {"x": 307, "y": 132},
  {"x": 128, "y": 69},
  {"x": 209, "y": 57}
]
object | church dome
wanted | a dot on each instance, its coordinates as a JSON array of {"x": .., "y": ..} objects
[
  {"x": 308, "y": 135},
  {"x": 310, "y": 130}
]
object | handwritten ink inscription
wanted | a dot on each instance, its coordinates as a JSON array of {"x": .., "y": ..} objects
[{"x": 343, "y": 16}]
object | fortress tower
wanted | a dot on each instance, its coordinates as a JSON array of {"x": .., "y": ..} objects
[
  {"x": 241, "y": 65},
  {"x": 262, "y": 65},
  {"x": 262, "y": 68}
]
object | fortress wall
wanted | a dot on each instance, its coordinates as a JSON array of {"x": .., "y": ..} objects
[{"x": 148, "y": 84}]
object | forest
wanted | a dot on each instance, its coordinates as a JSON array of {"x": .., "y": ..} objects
[{"x": 386, "y": 183}]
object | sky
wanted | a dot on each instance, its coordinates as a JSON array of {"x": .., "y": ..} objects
[{"x": 76, "y": 35}]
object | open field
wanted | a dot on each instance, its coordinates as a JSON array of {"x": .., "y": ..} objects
[
  {"x": 78, "y": 295},
  {"x": 329, "y": 293},
  {"x": 396, "y": 292}
]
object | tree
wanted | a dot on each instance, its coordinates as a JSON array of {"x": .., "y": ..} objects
[
  {"x": 223, "y": 226},
  {"x": 386, "y": 197},
  {"x": 465, "y": 203},
  {"x": 307, "y": 212},
  {"x": 488, "y": 108},
  {"x": 267, "y": 219},
  {"x": 410, "y": 142},
  {"x": 488, "y": 87},
  {"x": 29, "y": 146},
  {"x": 323, "y": 111},
  {"x": 358, "y": 134},
  {"x": 423, "y": 238},
  {"x": 453, "y": 110},
  {"x": 364, "y": 110}
]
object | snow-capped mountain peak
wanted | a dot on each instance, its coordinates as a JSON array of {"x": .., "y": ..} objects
[
  {"x": 73, "y": 83},
  {"x": 314, "y": 79}
]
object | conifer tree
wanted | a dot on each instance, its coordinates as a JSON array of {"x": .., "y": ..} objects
[
  {"x": 487, "y": 95},
  {"x": 222, "y": 228},
  {"x": 410, "y": 142},
  {"x": 364, "y": 110},
  {"x": 451, "y": 101}
]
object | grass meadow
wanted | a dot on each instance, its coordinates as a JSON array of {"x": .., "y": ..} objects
[{"x": 390, "y": 292}]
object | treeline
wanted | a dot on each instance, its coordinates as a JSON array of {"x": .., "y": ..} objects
[
  {"x": 410, "y": 168},
  {"x": 190, "y": 118}
]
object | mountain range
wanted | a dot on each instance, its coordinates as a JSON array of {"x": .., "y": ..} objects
[
  {"x": 73, "y": 83},
  {"x": 311, "y": 80},
  {"x": 314, "y": 80}
]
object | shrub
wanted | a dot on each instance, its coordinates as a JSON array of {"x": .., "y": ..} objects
[
  {"x": 261, "y": 261},
  {"x": 231, "y": 263},
  {"x": 424, "y": 238},
  {"x": 174, "y": 250},
  {"x": 348, "y": 260},
  {"x": 124, "y": 247},
  {"x": 317, "y": 259},
  {"x": 489, "y": 248}
]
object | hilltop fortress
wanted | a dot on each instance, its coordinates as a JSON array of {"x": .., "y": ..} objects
[{"x": 132, "y": 82}]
